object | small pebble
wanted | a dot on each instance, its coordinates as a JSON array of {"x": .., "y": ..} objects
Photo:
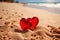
[
  {"x": 58, "y": 27},
  {"x": 36, "y": 37},
  {"x": 48, "y": 26},
  {"x": 0, "y": 17},
  {"x": 13, "y": 21},
  {"x": 9, "y": 38},
  {"x": 11, "y": 26},
  {"x": 25, "y": 39},
  {"x": 21, "y": 14},
  {"x": 3, "y": 10},
  {"x": 39, "y": 33},
  {"x": 56, "y": 39},
  {"x": 15, "y": 12},
  {"x": 0, "y": 26},
  {"x": 7, "y": 23},
  {"x": 1, "y": 30},
  {"x": 32, "y": 39},
  {"x": 33, "y": 35}
]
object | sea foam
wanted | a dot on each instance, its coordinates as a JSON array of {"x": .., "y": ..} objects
[{"x": 46, "y": 5}]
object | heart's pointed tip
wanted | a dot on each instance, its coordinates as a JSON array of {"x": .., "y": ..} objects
[{"x": 33, "y": 28}]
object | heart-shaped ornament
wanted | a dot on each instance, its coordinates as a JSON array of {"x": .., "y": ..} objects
[
  {"x": 34, "y": 21},
  {"x": 24, "y": 24},
  {"x": 29, "y": 23}
]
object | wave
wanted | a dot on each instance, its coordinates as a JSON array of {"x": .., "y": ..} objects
[{"x": 47, "y": 5}]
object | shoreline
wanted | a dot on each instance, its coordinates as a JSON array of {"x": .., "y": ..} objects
[{"x": 50, "y": 9}]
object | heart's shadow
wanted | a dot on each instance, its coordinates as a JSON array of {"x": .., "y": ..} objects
[{"x": 19, "y": 31}]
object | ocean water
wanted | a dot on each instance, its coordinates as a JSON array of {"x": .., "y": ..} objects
[
  {"x": 51, "y": 7},
  {"x": 54, "y": 5}
]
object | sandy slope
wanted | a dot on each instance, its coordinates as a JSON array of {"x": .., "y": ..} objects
[
  {"x": 13, "y": 12},
  {"x": 44, "y": 16}
]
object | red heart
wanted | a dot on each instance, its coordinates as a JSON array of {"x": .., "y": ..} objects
[
  {"x": 29, "y": 23},
  {"x": 34, "y": 21},
  {"x": 24, "y": 24}
]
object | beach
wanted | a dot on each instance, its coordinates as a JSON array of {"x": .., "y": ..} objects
[{"x": 13, "y": 12}]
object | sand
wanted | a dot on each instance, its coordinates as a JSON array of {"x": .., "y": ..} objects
[{"x": 10, "y": 15}]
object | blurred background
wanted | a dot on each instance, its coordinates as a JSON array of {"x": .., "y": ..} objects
[
  {"x": 29, "y": 1},
  {"x": 6, "y": 0},
  {"x": 50, "y": 5}
]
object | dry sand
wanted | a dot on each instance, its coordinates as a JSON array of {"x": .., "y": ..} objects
[{"x": 10, "y": 15}]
